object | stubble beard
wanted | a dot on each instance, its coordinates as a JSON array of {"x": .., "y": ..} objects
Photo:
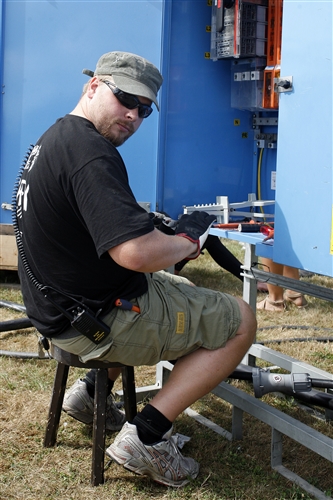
[{"x": 117, "y": 139}]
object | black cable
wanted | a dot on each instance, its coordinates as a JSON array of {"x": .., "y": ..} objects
[
  {"x": 15, "y": 324},
  {"x": 316, "y": 398},
  {"x": 70, "y": 315},
  {"x": 23, "y": 355},
  {"x": 323, "y": 383},
  {"x": 296, "y": 339},
  {"x": 294, "y": 327}
]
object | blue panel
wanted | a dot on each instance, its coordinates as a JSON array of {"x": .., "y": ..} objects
[
  {"x": 46, "y": 45},
  {"x": 304, "y": 169},
  {"x": 202, "y": 153}
]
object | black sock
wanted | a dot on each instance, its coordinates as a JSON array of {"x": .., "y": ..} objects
[
  {"x": 151, "y": 425},
  {"x": 89, "y": 379}
]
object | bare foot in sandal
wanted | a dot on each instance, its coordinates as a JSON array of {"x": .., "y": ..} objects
[
  {"x": 295, "y": 298},
  {"x": 271, "y": 305}
]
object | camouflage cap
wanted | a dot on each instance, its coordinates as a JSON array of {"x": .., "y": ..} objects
[{"x": 131, "y": 73}]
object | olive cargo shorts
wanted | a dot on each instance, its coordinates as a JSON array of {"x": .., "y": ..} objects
[{"x": 176, "y": 318}]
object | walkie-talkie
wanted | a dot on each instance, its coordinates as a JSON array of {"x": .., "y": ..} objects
[{"x": 89, "y": 325}]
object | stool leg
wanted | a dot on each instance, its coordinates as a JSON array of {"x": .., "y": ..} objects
[
  {"x": 101, "y": 387},
  {"x": 58, "y": 393},
  {"x": 129, "y": 392}
]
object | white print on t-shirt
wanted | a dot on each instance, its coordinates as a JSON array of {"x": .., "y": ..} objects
[
  {"x": 23, "y": 190},
  {"x": 32, "y": 158},
  {"x": 22, "y": 198}
]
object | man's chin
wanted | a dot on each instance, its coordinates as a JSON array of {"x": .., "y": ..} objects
[{"x": 115, "y": 140}]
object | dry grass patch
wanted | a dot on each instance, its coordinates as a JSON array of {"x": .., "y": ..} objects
[{"x": 229, "y": 470}]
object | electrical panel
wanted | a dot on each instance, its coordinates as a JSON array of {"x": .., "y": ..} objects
[
  {"x": 249, "y": 32},
  {"x": 247, "y": 83},
  {"x": 239, "y": 28}
]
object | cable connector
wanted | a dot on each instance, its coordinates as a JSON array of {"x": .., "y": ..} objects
[{"x": 264, "y": 382}]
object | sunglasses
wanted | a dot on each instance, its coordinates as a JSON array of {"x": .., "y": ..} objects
[{"x": 130, "y": 101}]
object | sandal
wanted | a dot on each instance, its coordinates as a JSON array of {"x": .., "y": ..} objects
[
  {"x": 295, "y": 298},
  {"x": 271, "y": 305}
]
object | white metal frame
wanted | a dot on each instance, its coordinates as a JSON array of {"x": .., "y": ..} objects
[{"x": 281, "y": 424}]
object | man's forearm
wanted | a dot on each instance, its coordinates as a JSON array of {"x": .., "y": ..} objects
[{"x": 152, "y": 252}]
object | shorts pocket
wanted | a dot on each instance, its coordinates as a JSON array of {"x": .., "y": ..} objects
[{"x": 177, "y": 340}]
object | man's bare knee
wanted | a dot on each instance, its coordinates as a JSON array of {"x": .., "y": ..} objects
[{"x": 248, "y": 324}]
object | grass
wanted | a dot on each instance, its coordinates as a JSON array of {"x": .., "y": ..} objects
[{"x": 238, "y": 470}]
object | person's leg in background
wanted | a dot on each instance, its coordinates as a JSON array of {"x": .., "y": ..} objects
[
  {"x": 291, "y": 296},
  {"x": 276, "y": 299}
]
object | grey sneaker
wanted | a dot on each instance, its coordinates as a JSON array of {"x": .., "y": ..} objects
[
  {"x": 161, "y": 461},
  {"x": 78, "y": 404}
]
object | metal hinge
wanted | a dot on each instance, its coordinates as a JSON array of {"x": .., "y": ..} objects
[{"x": 283, "y": 84}]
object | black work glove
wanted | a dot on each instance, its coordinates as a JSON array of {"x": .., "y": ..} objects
[{"x": 195, "y": 227}]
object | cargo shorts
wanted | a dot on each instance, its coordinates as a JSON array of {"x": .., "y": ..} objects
[{"x": 175, "y": 319}]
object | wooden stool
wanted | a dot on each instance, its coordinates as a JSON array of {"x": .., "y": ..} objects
[{"x": 65, "y": 360}]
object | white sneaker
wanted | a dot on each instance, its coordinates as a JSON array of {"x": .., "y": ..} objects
[
  {"x": 79, "y": 405},
  {"x": 161, "y": 461}
]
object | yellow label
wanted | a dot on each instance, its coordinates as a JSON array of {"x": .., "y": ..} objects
[
  {"x": 98, "y": 336},
  {"x": 208, "y": 29},
  {"x": 207, "y": 55},
  {"x": 236, "y": 122},
  {"x": 331, "y": 251},
  {"x": 180, "y": 323}
]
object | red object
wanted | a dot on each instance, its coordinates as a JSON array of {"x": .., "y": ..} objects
[
  {"x": 226, "y": 226},
  {"x": 267, "y": 231},
  {"x": 126, "y": 305}
]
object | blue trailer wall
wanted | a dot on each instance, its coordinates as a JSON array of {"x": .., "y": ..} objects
[
  {"x": 304, "y": 217},
  {"x": 44, "y": 47}
]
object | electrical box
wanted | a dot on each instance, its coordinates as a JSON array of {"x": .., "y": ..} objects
[{"x": 247, "y": 83}]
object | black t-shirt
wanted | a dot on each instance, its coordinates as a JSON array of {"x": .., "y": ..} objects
[{"x": 74, "y": 203}]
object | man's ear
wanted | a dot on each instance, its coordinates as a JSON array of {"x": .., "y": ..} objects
[{"x": 92, "y": 86}]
